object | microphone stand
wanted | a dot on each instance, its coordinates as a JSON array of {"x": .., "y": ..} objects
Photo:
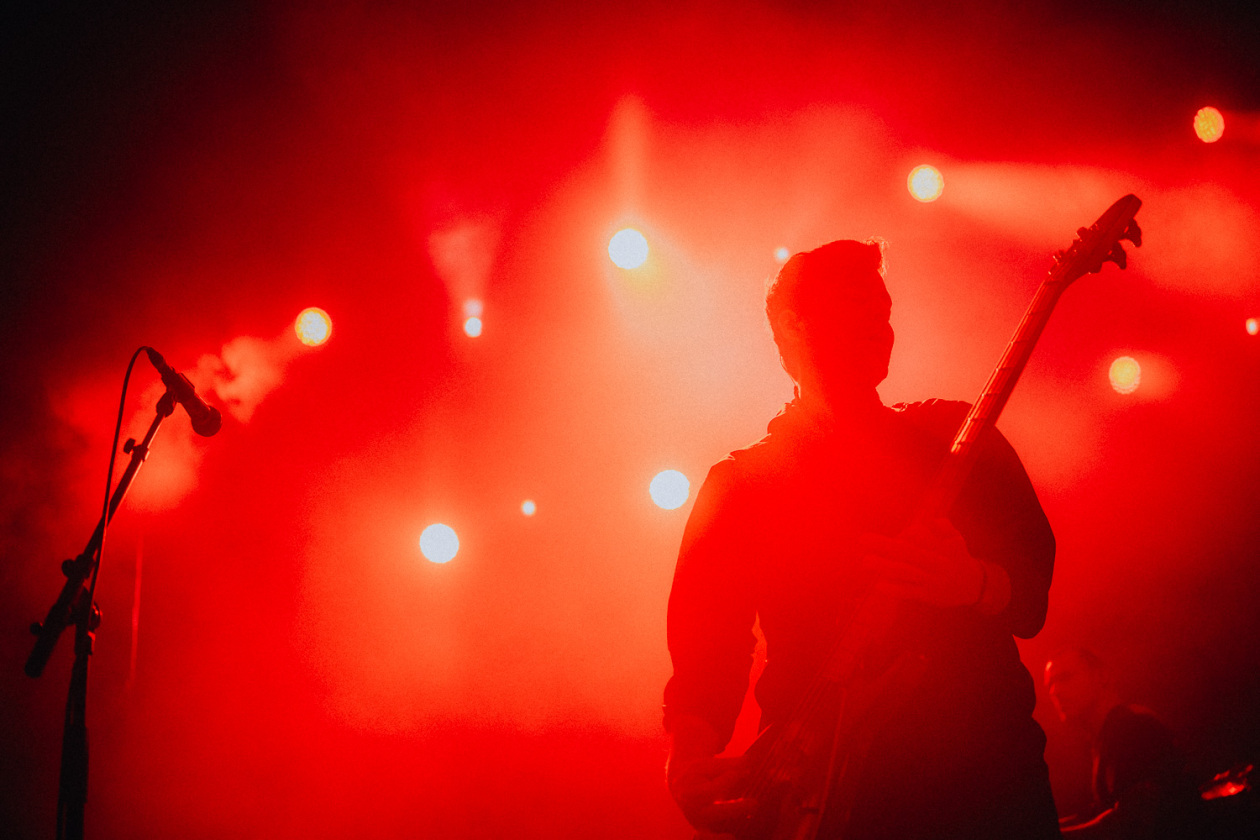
[{"x": 75, "y": 606}]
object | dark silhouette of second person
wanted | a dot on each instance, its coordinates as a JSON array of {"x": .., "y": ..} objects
[{"x": 1142, "y": 789}]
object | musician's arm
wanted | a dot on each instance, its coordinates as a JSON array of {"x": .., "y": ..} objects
[
  {"x": 711, "y": 610},
  {"x": 690, "y": 738},
  {"x": 710, "y": 617},
  {"x": 1009, "y": 531},
  {"x": 705, "y": 787},
  {"x": 1000, "y": 564},
  {"x": 995, "y": 589},
  {"x": 692, "y": 745}
]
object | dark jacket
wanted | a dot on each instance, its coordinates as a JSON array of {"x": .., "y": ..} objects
[{"x": 773, "y": 535}]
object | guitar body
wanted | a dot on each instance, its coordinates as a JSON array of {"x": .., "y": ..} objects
[
  {"x": 818, "y": 758},
  {"x": 807, "y": 769},
  {"x": 825, "y": 788}
]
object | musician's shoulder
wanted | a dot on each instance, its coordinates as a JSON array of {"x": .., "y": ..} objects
[
  {"x": 940, "y": 417},
  {"x": 750, "y": 459},
  {"x": 759, "y": 460}
]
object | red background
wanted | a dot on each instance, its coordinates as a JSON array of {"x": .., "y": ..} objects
[{"x": 192, "y": 179}]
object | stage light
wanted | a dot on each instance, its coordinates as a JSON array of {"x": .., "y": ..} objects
[
  {"x": 472, "y": 327},
  {"x": 781, "y": 254},
  {"x": 313, "y": 326},
  {"x": 439, "y": 543},
  {"x": 1253, "y": 326},
  {"x": 925, "y": 183},
  {"x": 628, "y": 248},
  {"x": 1125, "y": 375},
  {"x": 669, "y": 489},
  {"x": 528, "y": 507},
  {"x": 1209, "y": 124}
]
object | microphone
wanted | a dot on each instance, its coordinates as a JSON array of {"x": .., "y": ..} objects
[{"x": 206, "y": 419}]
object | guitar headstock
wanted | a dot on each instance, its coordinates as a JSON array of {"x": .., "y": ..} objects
[{"x": 1101, "y": 242}]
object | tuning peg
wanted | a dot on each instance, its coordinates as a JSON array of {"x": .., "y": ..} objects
[
  {"x": 1117, "y": 256},
  {"x": 1133, "y": 233}
]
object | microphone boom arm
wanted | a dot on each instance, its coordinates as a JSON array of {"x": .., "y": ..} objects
[{"x": 64, "y": 609}]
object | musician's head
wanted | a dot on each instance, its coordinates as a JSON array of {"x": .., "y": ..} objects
[
  {"x": 828, "y": 310},
  {"x": 1077, "y": 683}
]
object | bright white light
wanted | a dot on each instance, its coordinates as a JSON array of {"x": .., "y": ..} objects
[
  {"x": 472, "y": 308},
  {"x": 528, "y": 507},
  {"x": 628, "y": 248},
  {"x": 670, "y": 489},
  {"x": 1209, "y": 124},
  {"x": 439, "y": 543},
  {"x": 472, "y": 327},
  {"x": 1125, "y": 375},
  {"x": 781, "y": 254},
  {"x": 313, "y": 326},
  {"x": 925, "y": 183},
  {"x": 1253, "y": 326}
]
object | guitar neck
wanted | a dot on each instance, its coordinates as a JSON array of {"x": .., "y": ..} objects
[{"x": 985, "y": 411}]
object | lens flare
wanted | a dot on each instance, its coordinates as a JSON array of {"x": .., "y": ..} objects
[
  {"x": 439, "y": 543},
  {"x": 1253, "y": 326},
  {"x": 925, "y": 183},
  {"x": 472, "y": 327},
  {"x": 781, "y": 254},
  {"x": 670, "y": 489},
  {"x": 1125, "y": 375},
  {"x": 1209, "y": 124},
  {"x": 528, "y": 507},
  {"x": 313, "y": 326},
  {"x": 628, "y": 248}
]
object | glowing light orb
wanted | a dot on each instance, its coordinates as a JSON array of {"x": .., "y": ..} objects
[
  {"x": 1253, "y": 326},
  {"x": 313, "y": 326},
  {"x": 472, "y": 327},
  {"x": 472, "y": 308},
  {"x": 925, "y": 183},
  {"x": 628, "y": 248},
  {"x": 1209, "y": 124},
  {"x": 439, "y": 543},
  {"x": 670, "y": 489},
  {"x": 1125, "y": 375},
  {"x": 528, "y": 507},
  {"x": 781, "y": 254}
]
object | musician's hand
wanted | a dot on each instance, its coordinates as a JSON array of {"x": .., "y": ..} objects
[
  {"x": 928, "y": 562},
  {"x": 703, "y": 785},
  {"x": 703, "y": 789}
]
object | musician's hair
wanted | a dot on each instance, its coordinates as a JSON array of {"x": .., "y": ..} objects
[{"x": 819, "y": 280}]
